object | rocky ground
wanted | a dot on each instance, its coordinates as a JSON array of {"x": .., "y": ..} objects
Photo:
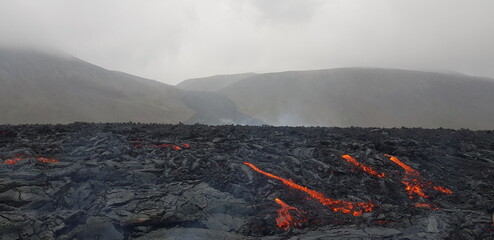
[{"x": 133, "y": 181}]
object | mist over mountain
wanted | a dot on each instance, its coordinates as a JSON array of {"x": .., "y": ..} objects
[
  {"x": 52, "y": 87},
  {"x": 366, "y": 97},
  {"x": 212, "y": 83},
  {"x": 49, "y": 87}
]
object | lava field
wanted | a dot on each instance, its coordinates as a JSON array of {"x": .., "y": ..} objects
[{"x": 153, "y": 181}]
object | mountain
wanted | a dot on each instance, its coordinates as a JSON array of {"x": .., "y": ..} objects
[
  {"x": 45, "y": 87},
  {"x": 366, "y": 97},
  {"x": 212, "y": 83}
]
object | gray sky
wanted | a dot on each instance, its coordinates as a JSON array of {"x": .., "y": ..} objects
[{"x": 172, "y": 40}]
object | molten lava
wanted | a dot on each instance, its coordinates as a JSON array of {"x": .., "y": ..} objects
[
  {"x": 160, "y": 145},
  {"x": 285, "y": 219},
  {"x": 415, "y": 184},
  {"x": 425, "y": 205},
  {"x": 137, "y": 143},
  {"x": 47, "y": 160},
  {"x": 408, "y": 170},
  {"x": 20, "y": 157},
  {"x": 12, "y": 161},
  {"x": 366, "y": 169},
  {"x": 184, "y": 145},
  {"x": 443, "y": 190},
  {"x": 175, "y": 147},
  {"x": 384, "y": 221},
  {"x": 354, "y": 208}
]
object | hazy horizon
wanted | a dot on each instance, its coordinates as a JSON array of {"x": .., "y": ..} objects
[{"x": 171, "y": 41}]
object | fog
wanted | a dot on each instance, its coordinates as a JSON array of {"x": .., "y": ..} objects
[{"x": 174, "y": 40}]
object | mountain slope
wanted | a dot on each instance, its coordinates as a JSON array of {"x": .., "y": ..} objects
[
  {"x": 366, "y": 97},
  {"x": 40, "y": 87},
  {"x": 46, "y": 87},
  {"x": 212, "y": 83}
]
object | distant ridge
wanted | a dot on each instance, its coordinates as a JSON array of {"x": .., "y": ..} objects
[
  {"x": 43, "y": 87},
  {"x": 369, "y": 97},
  {"x": 212, "y": 83}
]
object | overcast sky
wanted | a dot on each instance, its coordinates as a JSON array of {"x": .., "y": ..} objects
[{"x": 172, "y": 40}]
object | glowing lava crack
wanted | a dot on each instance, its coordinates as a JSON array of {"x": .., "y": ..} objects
[
  {"x": 354, "y": 208},
  {"x": 181, "y": 146},
  {"x": 20, "y": 157},
  {"x": 285, "y": 219},
  {"x": 364, "y": 168},
  {"x": 415, "y": 184}
]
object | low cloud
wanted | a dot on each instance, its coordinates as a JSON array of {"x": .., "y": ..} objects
[{"x": 178, "y": 39}]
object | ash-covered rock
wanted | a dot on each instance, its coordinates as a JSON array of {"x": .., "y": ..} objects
[{"x": 134, "y": 181}]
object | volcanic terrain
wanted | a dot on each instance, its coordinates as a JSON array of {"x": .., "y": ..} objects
[{"x": 152, "y": 181}]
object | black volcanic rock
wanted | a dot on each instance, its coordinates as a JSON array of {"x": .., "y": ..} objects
[{"x": 133, "y": 181}]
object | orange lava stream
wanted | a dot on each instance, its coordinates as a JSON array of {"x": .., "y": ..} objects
[
  {"x": 285, "y": 219},
  {"x": 443, "y": 190},
  {"x": 185, "y": 145},
  {"x": 425, "y": 205},
  {"x": 366, "y": 169},
  {"x": 408, "y": 170},
  {"x": 160, "y": 145},
  {"x": 165, "y": 145},
  {"x": 12, "y": 161},
  {"x": 47, "y": 160},
  {"x": 354, "y": 208},
  {"x": 414, "y": 186},
  {"x": 175, "y": 147},
  {"x": 20, "y": 157},
  {"x": 414, "y": 182}
]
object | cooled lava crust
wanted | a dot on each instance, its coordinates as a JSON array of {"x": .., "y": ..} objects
[{"x": 152, "y": 181}]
